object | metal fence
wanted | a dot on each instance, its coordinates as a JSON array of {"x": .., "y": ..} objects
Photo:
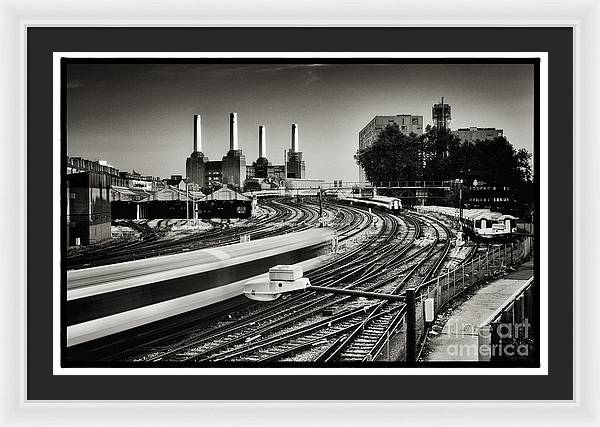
[
  {"x": 410, "y": 332},
  {"x": 525, "y": 226},
  {"x": 454, "y": 282}
]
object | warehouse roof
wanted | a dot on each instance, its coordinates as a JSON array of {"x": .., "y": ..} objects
[
  {"x": 126, "y": 194},
  {"x": 226, "y": 194},
  {"x": 170, "y": 193}
]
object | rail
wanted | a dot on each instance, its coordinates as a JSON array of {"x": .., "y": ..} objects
[
  {"x": 455, "y": 282},
  {"x": 448, "y": 286},
  {"x": 384, "y": 343}
]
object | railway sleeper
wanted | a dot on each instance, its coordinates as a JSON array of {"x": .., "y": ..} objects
[{"x": 352, "y": 356}]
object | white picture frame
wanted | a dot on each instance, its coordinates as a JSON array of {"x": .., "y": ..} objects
[{"x": 583, "y": 410}]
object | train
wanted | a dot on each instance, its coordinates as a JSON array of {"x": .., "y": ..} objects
[
  {"x": 388, "y": 204},
  {"x": 113, "y": 298},
  {"x": 479, "y": 224}
]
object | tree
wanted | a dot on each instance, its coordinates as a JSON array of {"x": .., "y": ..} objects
[
  {"x": 498, "y": 163},
  {"x": 440, "y": 153},
  {"x": 503, "y": 164},
  {"x": 392, "y": 157}
]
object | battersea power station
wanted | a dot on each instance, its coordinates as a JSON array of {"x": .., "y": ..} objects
[{"x": 232, "y": 170}]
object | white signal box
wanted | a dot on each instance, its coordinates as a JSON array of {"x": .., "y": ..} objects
[{"x": 285, "y": 272}]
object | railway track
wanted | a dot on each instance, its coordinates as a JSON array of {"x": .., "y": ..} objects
[
  {"x": 282, "y": 218},
  {"x": 150, "y": 245},
  {"x": 359, "y": 335},
  {"x": 348, "y": 222},
  {"x": 405, "y": 251},
  {"x": 362, "y": 343},
  {"x": 289, "y": 313}
]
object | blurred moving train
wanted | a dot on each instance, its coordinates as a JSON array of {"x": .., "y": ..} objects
[
  {"x": 480, "y": 224},
  {"x": 113, "y": 298},
  {"x": 388, "y": 204}
]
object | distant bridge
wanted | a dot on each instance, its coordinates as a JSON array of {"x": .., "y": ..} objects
[
  {"x": 402, "y": 189},
  {"x": 446, "y": 185}
]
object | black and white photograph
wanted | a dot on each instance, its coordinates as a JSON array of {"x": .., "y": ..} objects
[{"x": 299, "y": 212}]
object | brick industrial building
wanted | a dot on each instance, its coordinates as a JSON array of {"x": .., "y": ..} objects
[{"x": 233, "y": 170}]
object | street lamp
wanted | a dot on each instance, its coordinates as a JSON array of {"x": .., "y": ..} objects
[{"x": 459, "y": 183}]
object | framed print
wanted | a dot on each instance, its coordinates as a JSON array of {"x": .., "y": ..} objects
[
  {"x": 240, "y": 267},
  {"x": 229, "y": 219}
]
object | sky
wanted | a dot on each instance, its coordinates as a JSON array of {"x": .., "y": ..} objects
[{"x": 140, "y": 116}]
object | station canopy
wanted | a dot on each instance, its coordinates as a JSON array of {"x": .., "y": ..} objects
[
  {"x": 126, "y": 194},
  {"x": 224, "y": 193},
  {"x": 170, "y": 193}
]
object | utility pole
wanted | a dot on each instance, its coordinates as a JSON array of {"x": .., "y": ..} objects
[
  {"x": 459, "y": 184},
  {"x": 411, "y": 326},
  {"x": 320, "y": 207}
]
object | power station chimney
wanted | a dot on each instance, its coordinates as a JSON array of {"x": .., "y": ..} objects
[
  {"x": 233, "y": 132},
  {"x": 197, "y": 133},
  {"x": 294, "y": 138},
  {"x": 262, "y": 141}
]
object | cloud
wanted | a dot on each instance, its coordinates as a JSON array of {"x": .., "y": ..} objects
[
  {"x": 307, "y": 74},
  {"x": 214, "y": 70}
]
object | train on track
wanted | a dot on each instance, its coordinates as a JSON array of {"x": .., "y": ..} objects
[
  {"x": 112, "y": 298},
  {"x": 479, "y": 224},
  {"x": 388, "y": 204}
]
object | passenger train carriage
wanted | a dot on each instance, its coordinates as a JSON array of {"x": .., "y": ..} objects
[
  {"x": 388, "y": 204},
  {"x": 479, "y": 223}
]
